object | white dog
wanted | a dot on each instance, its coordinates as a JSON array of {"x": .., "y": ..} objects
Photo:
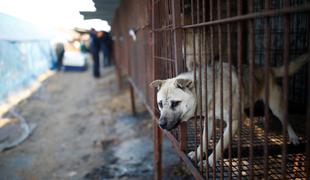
[{"x": 177, "y": 99}]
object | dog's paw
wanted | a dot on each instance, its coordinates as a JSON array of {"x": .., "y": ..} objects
[
  {"x": 191, "y": 155},
  {"x": 294, "y": 139}
]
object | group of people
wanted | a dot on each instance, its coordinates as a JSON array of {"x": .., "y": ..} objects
[{"x": 100, "y": 42}]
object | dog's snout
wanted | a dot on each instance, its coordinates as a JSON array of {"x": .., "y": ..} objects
[{"x": 163, "y": 123}]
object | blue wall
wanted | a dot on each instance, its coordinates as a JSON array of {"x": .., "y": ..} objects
[
  {"x": 21, "y": 62},
  {"x": 25, "y": 52}
]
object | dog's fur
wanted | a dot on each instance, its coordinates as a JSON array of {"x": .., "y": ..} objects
[{"x": 177, "y": 99}]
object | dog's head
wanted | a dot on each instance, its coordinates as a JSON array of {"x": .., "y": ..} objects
[{"x": 175, "y": 100}]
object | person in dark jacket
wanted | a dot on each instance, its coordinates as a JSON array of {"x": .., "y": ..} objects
[
  {"x": 60, "y": 51},
  {"x": 94, "y": 50},
  {"x": 100, "y": 42},
  {"x": 105, "y": 47}
]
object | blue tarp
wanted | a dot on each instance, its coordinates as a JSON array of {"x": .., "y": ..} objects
[{"x": 24, "y": 54}]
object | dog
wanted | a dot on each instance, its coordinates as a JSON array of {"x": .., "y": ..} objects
[{"x": 177, "y": 99}]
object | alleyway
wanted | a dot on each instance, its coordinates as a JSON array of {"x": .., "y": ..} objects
[{"x": 84, "y": 130}]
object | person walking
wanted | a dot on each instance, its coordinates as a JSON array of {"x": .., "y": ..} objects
[
  {"x": 60, "y": 51},
  {"x": 105, "y": 47},
  {"x": 94, "y": 50}
]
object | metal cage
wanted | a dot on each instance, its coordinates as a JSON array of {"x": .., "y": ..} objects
[{"x": 170, "y": 33}]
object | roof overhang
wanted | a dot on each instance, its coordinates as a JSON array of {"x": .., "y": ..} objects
[{"x": 104, "y": 10}]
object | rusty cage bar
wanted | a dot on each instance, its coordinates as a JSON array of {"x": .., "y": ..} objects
[{"x": 233, "y": 48}]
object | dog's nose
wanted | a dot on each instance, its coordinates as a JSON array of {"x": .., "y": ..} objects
[{"x": 163, "y": 124}]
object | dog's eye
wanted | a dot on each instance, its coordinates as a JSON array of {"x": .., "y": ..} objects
[
  {"x": 160, "y": 103},
  {"x": 175, "y": 104}
]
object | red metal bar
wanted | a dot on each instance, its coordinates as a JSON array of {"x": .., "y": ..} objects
[
  {"x": 157, "y": 151},
  {"x": 267, "y": 31},
  {"x": 251, "y": 88},
  {"x": 286, "y": 56},
  {"x": 200, "y": 98},
  {"x": 179, "y": 66},
  {"x": 195, "y": 83},
  {"x": 156, "y": 131},
  {"x": 165, "y": 28},
  {"x": 240, "y": 109},
  {"x": 206, "y": 48},
  {"x": 200, "y": 87},
  {"x": 163, "y": 58},
  {"x": 177, "y": 35},
  {"x": 200, "y": 104},
  {"x": 164, "y": 12},
  {"x": 221, "y": 88},
  {"x": 307, "y": 160},
  {"x": 192, "y": 12},
  {"x": 229, "y": 53},
  {"x": 183, "y": 126},
  {"x": 271, "y": 13},
  {"x": 213, "y": 91},
  {"x": 183, "y": 136},
  {"x": 132, "y": 100}
]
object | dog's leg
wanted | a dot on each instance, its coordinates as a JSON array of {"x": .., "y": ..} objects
[
  {"x": 204, "y": 142},
  {"x": 217, "y": 151},
  {"x": 276, "y": 106}
]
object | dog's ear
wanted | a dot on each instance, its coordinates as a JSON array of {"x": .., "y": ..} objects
[
  {"x": 157, "y": 84},
  {"x": 184, "y": 83}
]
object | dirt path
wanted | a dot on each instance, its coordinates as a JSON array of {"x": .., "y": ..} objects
[{"x": 85, "y": 130}]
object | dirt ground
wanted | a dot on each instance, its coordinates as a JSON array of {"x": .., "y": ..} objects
[{"x": 85, "y": 130}]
